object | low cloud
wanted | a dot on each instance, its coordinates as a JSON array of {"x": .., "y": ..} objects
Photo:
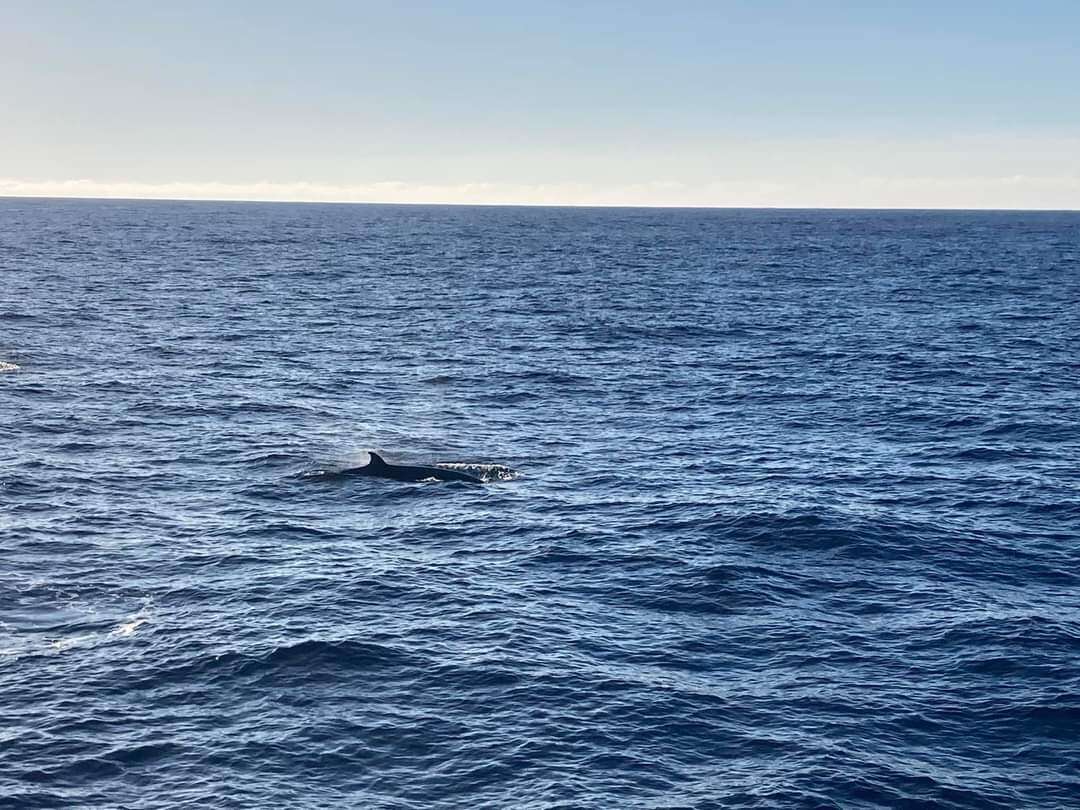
[{"x": 1007, "y": 192}]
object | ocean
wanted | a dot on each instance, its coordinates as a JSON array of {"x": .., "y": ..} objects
[{"x": 793, "y": 517}]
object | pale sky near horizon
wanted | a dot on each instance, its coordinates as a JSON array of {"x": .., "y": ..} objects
[{"x": 829, "y": 103}]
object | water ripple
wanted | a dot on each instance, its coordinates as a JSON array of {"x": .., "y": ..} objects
[{"x": 782, "y": 507}]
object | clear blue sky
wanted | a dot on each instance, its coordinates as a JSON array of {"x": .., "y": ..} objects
[{"x": 796, "y": 103}]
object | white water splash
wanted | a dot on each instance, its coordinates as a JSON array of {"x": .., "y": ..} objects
[
  {"x": 121, "y": 630},
  {"x": 485, "y": 472},
  {"x": 127, "y": 628},
  {"x": 62, "y": 644}
]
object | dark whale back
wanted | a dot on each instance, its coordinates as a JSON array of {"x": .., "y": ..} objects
[{"x": 379, "y": 468}]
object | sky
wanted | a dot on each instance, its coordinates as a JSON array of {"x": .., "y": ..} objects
[{"x": 823, "y": 103}]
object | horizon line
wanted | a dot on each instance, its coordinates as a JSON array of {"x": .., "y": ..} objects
[
  {"x": 1005, "y": 192},
  {"x": 625, "y": 206}
]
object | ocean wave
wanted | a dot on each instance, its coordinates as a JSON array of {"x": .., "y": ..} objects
[{"x": 308, "y": 661}]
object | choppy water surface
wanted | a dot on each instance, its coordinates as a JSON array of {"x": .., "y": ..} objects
[{"x": 797, "y": 519}]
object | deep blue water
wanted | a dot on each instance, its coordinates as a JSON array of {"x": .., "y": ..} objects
[{"x": 796, "y": 520}]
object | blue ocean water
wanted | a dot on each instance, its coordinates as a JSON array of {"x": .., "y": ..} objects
[{"x": 796, "y": 519}]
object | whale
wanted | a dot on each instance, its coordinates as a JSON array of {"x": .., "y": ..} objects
[{"x": 379, "y": 468}]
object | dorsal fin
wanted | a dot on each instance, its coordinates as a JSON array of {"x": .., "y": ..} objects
[{"x": 375, "y": 460}]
